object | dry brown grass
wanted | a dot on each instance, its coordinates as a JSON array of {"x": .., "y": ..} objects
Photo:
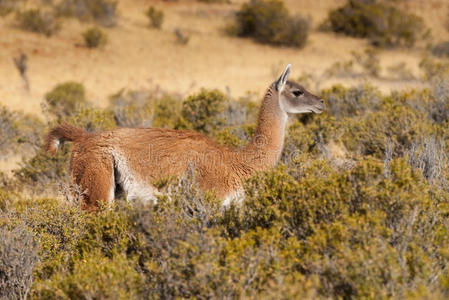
[{"x": 140, "y": 57}]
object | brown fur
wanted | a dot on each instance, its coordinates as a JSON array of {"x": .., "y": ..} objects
[
  {"x": 62, "y": 133},
  {"x": 138, "y": 157}
]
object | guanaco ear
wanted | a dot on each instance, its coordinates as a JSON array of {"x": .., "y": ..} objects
[{"x": 283, "y": 79}]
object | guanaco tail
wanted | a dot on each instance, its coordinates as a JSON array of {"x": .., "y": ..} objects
[{"x": 132, "y": 159}]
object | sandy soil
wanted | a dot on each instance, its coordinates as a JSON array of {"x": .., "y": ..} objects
[{"x": 138, "y": 57}]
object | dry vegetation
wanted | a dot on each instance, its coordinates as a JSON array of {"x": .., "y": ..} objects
[
  {"x": 135, "y": 54},
  {"x": 357, "y": 209}
]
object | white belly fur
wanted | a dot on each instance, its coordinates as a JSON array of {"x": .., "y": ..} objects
[{"x": 134, "y": 187}]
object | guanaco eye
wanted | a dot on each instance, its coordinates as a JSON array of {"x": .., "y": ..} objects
[{"x": 298, "y": 93}]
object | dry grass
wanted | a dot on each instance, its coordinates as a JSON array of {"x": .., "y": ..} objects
[
  {"x": 139, "y": 57},
  {"x": 6, "y": 166}
]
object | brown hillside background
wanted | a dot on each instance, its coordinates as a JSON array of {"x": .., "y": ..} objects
[{"x": 138, "y": 57}]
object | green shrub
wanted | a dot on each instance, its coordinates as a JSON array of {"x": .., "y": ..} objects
[
  {"x": 240, "y": 117},
  {"x": 100, "y": 277},
  {"x": 236, "y": 136},
  {"x": 4, "y": 195},
  {"x": 396, "y": 124},
  {"x": 268, "y": 21},
  {"x": 103, "y": 12},
  {"x": 343, "y": 102},
  {"x": 306, "y": 229},
  {"x": 92, "y": 119},
  {"x": 72, "y": 243},
  {"x": 155, "y": 16},
  {"x": 241, "y": 111},
  {"x": 65, "y": 98},
  {"x": 325, "y": 234},
  {"x": 167, "y": 111},
  {"x": 95, "y": 37},
  {"x": 145, "y": 109},
  {"x": 30, "y": 129},
  {"x": 383, "y": 24},
  {"x": 310, "y": 137},
  {"x": 433, "y": 102},
  {"x": 35, "y": 20},
  {"x": 204, "y": 111},
  {"x": 42, "y": 172},
  {"x": 357, "y": 220},
  {"x": 19, "y": 132},
  {"x": 10, "y": 132}
]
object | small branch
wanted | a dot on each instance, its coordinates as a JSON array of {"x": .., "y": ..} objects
[{"x": 21, "y": 65}]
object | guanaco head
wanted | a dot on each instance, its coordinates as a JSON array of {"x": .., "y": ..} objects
[{"x": 294, "y": 98}]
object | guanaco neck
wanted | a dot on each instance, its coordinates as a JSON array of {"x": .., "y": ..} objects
[{"x": 264, "y": 149}]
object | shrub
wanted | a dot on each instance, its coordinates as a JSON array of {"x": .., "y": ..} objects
[
  {"x": 204, "y": 111},
  {"x": 181, "y": 37},
  {"x": 395, "y": 124},
  {"x": 400, "y": 71},
  {"x": 306, "y": 229},
  {"x": 9, "y": 130},
  {"x": 19, "y": 132},
  {"x": 439, "y": 105},
  {"x": 383, "y": 24},
  {"x": 95, "y": 37},
  {"x": 433, "y": 102},
  {"x": 43, "y": 172},
  {"x": 434, "y": 70},
  {"x": 145, "y": 109},
  {"x": 241, "y": 111},
  {"x": 441, "y": 50},
  {"x": 100, "y": 277},
  {"x": 429, "y": 156},
  {"x": 192, "y": 260},
  {"x": 8, "y": 6},
  {"x": 268, "y": 21},
  {"x": 132, "y": 109},
  {"x": 361, "y": 64},
  {"x": 324, "y": 195},
  {"x": 70, "y": 245},
  {"x": 310, "y": 137},
  {"x": 240, "y": 118},
  {"x": 324, "y": 234},
  {"x": 65, "y": 98},
  {"x": 101, "y": 11},
  {"x": 215, "y": 1},
  {"x": 369, "y": 61},
  {"x": 18, "y": 256},
  {"x": 167, "y": 111},
  {"x": 92, "y": 119},
  {"x": 155, "y": 16},
  {"x": 38, "y": 21},
  {"x": 30, "y": 129},
  {"x": 343, "y": 102}
]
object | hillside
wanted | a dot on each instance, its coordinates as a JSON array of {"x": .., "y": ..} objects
[
  {"x": 356, "y": 206},
  {"x": 138, "y": 57}
]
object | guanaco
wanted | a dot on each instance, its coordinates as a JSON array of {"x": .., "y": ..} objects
[{"x": 131, "y": 159}]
